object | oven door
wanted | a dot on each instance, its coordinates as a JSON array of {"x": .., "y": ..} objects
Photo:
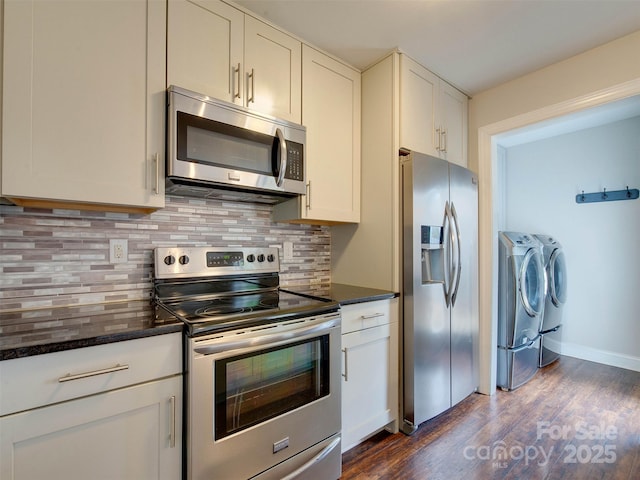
[{"x": 263, "y": 396}]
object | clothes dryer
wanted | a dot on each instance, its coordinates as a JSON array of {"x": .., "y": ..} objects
[
  {"x": 521, "y": 301},
  {"x": 556, "y": 270}
]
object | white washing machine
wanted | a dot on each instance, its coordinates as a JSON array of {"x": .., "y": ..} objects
[
  {"x": 521, "y": 302},
  {"x": 556, "y": 270}
]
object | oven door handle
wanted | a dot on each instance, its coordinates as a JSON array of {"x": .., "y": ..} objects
[
  {"x": 318, "y": 458},
  {"x": 225, "y": 346}
]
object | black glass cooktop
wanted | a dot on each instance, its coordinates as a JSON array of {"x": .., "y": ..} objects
[{"x": 220, "y": 313}]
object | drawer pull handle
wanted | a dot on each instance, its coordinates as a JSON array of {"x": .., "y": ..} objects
[
  {"x": 68, "y": 377},
  {"x": 373, "y": 315}
]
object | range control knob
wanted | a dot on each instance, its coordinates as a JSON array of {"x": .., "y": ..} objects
[
  {"x": 169, "y": 260},
  {"x": 251, "y": 258},
  {"x": 270, "y": 258},
  {"x": 261, "y": 258},
  {"x": 183, "y": 260}
]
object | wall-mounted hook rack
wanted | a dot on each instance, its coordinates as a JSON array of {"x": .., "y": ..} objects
[{"x": 605, "y": 196}]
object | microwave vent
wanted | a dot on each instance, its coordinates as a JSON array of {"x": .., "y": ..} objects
[{"x": 180, "y": 187}]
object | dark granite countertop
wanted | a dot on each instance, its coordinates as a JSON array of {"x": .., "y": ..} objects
[
  {"x": 345, "y": 294},
  {"x": 349, "y": 294},
  {"x": 44, "y": 330}
]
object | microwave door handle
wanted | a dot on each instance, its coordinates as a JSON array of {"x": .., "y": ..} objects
[{"x": 282, "y": 168}]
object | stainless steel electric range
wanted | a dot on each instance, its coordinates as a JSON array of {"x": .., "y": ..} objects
[{"x": 262, "y": 366}]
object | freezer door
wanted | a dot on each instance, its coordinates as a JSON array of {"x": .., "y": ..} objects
[
  {"x": 464, "y": 312},
  {"x": 426, "y": 327}
]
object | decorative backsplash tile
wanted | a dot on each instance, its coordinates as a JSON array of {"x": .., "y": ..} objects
[{"x": 61, "y": 257}]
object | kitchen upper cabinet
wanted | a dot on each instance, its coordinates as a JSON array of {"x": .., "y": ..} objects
[
  {"x": 433, "y": 114},
  {"x": 205, "y": 48},
  {"x": 369, "y": 370},
  {"x": 418, "y": 102},
  {"x": 83, "y": 104},
  {"x": 272, "y": 70},
  {"x": 216, "y": 50},
  {"x": 331, "y": 113},
  {"x": 453, "y": 125}
]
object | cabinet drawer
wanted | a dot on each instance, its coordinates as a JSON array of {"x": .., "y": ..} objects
[
  {"x": 368, "y": 314},
  {"x": 55, "y": 377}
]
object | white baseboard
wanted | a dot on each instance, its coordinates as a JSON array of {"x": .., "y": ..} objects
[{"x": 594, "y": 355}]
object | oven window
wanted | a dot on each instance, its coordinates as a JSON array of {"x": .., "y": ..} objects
[{"x": 255, "y": 387}]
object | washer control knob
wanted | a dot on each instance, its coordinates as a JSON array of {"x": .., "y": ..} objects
[
  {"x": 270, "y": 258},
  {"x": 261, "y": 258},
  {"x": 251, "y": 258},
  {"x": 169, "y": 260},
  {"x": 183, "y": 260}
]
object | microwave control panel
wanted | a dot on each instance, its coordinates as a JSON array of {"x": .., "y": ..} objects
[{"x": 295, "y": 161}]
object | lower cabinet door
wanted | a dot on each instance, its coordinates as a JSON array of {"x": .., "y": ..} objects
[
  {"x": 369, "y": 395},
  {"x": 129, "y": 433}
]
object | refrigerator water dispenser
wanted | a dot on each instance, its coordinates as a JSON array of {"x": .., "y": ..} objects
[{"x": 432, "y": 254}]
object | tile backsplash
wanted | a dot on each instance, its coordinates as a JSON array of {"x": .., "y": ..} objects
[{"x": 61, "y": 257}]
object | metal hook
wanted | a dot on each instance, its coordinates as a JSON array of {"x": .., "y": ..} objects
[{"x": 604, "y": 193}]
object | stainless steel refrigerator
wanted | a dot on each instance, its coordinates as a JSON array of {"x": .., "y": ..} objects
[{"x": 440, "y": 286}]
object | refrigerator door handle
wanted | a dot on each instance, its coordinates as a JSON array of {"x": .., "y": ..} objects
[
  {"x": 447, "y": 241},
  {"x": 458, "y": 262}
]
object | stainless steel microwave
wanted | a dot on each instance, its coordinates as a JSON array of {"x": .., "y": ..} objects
[{"x": 221, "y": 150}]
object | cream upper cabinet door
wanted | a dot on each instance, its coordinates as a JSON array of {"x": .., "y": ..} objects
[
  {"x": 418, "y": 106},
  {"x": 84, "y": 96},
  {"x": 453, "y": 122},
  {"x": 205, "y": 46},
  {"x": 272, "y": 71},
  {"x": 331, "y": 113}
]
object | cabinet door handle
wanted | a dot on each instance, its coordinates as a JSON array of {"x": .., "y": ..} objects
[
  {"x": 172, "y": 434},
  {"x": 444, "y": 140},
  {"x": 251, "y": 98},
  {"x": 68, "y": 377},
  {"x": 236, "y": 70},
  {"x": 346, "y": 371},
  {"x": 308, "y": 195},
  {"x": 156, "y": 161},
  {"x": 373, "y": 315}
]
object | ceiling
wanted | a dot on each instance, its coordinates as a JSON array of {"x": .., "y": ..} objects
[{"x": 473, "y": 44}]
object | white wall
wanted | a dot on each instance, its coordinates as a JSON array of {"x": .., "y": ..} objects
[{"x": 600, "y": 240}]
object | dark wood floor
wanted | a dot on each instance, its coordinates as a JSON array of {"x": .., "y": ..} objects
[{"x": 574, "y": 420}]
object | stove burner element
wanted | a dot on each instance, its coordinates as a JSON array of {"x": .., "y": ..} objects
[
  {"x": 213, "y": 310},
  {"x": 237, "y": 304}
]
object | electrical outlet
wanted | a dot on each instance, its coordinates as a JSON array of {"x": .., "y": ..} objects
[
  {"x": 288, "y": 250},
  {"x": 118, "y": 251}
]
